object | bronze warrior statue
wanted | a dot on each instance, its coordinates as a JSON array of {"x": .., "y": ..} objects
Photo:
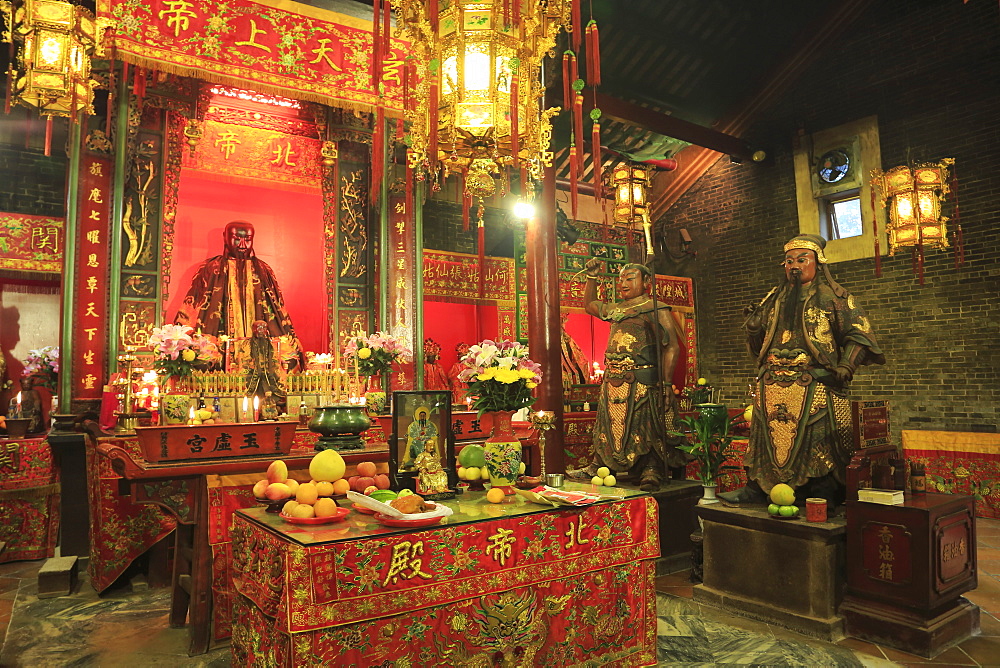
[{"x": 809, "y": 336}]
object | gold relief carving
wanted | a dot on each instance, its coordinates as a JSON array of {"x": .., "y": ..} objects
[
  {"x": 864, "y": 325},
  {"x": 623, "y": 341},
  {"x": 137, "y": 322},
  {"x": 818, "y": 402},
  {"x": 353, "y": 227},
  {"x": 821, "y": 328},
  {"x": 138, "y": 227},
  {"x": 842, "y": 416},
  {"x": 617, "y": 410},
  {"x": 786, "y": 336},
  {"x": 784, "y": 411},
  {"x": 851, "y": 304}
]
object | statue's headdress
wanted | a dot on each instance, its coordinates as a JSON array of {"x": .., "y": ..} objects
[{"x": 811, "y": 242}]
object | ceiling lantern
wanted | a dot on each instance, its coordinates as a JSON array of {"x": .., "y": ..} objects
[
  {"x": 53, "y": 66},
  {"x": 631, "y": 184},
  {"x": 476, "y": 109}
]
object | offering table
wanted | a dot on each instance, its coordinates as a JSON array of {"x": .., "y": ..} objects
[
  {"x": 199, "y": 498},
  {"x": 533, "y": 584}
]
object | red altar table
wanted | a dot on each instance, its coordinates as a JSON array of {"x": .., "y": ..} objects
[
  {"x": 533, "y": 584},
  {"x": 959, "y": 462},
  {"x": 29, "y": 499},
  {"x": 199, "y": 497}
]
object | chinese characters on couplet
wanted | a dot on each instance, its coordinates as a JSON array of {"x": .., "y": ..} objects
[{"x": 91, "y": 289}]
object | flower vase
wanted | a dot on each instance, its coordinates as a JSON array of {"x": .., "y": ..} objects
[
  {"x": 375, "y": 396},
  {"x": 503, "y": 453},
  {"x": 174, "y": 405}
]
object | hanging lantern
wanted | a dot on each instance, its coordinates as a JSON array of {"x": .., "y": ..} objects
[
  {"x": 53, "y": 72},
  {"x": 631, "y": 182},
  {"x": 912, "y": 197},
  {"x": 477, "y": 108}
]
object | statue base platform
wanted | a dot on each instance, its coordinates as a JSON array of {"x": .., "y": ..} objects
[
  {"x": 909, "y": 630},
  {"x": 785, "y": 572}
]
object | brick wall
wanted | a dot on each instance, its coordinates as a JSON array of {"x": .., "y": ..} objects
[
  {"x": 31, "y": 183},
  {"x": 930, "y": 72},
  {"x": 443, "y": 229}
]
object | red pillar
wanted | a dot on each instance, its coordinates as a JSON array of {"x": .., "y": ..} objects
[{"x": 544, "y": 327}]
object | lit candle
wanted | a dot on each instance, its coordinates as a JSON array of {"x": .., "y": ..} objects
[
  {"x": 245, "y": 411},
  {"x": 18, "y": 404},
  {"x": 191, "y": 416},
  {"x": 256, "y": 408}
]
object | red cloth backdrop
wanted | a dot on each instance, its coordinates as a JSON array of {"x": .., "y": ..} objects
[
  {"x": 29, "y": 500},
  {"x": 288, "y": 233}
]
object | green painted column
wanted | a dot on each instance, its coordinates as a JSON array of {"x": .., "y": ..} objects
[{"x": 69, "y": 273}]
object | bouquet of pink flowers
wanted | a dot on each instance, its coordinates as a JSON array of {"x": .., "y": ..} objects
[
  {"x": 500, "y": 376},
  {"x": 42, "y": 365},
  {"x": 377, "y": 353},
  {"x": 179, "y": 350}
]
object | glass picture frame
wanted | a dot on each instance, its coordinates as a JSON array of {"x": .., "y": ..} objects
[{"x": 410, "y": 437}]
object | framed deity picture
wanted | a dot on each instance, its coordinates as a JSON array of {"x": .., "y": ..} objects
[{"x": 422, "y": 445}]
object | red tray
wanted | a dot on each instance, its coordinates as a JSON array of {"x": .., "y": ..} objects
[
  {"x": 399, "y": 522},
  {"x": 362, "y": 509},
  {"x": 341, "y": 514}
]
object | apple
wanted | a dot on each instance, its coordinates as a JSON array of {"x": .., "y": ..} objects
[
  {"x": 277, "y": 491},
  {"x": 259, "y": 487},
  {"x": 277, "y": 471},
  {"x": 403, "y": 492},
  {"x": 382, "y": 481},
  {"x": 362, "y": 483},
  {"x": 353, "y": 479},
  {"x": 369, "y": 489},
  {"x": 367, "y": 469}
]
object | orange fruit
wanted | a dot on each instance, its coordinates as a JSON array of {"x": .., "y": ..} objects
[
  {"x": 341, "y": 486},
  {"x": 307, "y": 494},
  {"x": 325, "y": 508},
  {"x": 495, "y": 495}
]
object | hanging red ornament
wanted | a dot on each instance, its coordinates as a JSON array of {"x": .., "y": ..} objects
[
  {"x": 568, "y": 72},
  {"x": 593, "y": 54},
  {"x": 378, "y": 154},
  {"x": 466, "y": 202},
  {"x": 576, "y": 26},
  {"x": 432, "y": 117},
  {"x": 139, "y": 82}
]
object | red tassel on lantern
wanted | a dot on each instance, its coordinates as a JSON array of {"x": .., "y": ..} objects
[
  {"x": 573, "y": 176},
  {"x": 576, "y": 26},
  {"x": 569, "y": 68},
  {"x": 48, "y": 136},
  {"x": 593, "y": 54},
  {"x": 959, "y": 248}
]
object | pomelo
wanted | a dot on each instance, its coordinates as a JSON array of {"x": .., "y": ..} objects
[
  {"x": 327, "y": 465},
  {"x": 782, "y": 494},
  {"x": 472, "y": 455}
]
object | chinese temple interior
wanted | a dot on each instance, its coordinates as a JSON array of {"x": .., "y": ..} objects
[{"x": 676, "y": 316}]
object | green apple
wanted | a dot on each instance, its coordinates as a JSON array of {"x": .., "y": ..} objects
[
  {"x": 772, "y": 509},
  {"x": 787, "y": 511}
]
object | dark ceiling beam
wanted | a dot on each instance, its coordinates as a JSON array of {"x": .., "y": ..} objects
[{"x": 669, "y": 126}]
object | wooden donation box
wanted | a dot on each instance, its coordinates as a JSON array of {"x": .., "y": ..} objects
[
  {"x": 907, "y": 567},
  {"x": 495, "y": 584}
]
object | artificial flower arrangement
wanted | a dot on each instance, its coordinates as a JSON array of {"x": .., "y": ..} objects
[
  {"x": 180, "y": 350},
  {"x": 700, "y": 393},
  {"x": 43, "y": 365},
  {"x": 377, "y": 353},
  {"x": 500, "y": 376}
]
